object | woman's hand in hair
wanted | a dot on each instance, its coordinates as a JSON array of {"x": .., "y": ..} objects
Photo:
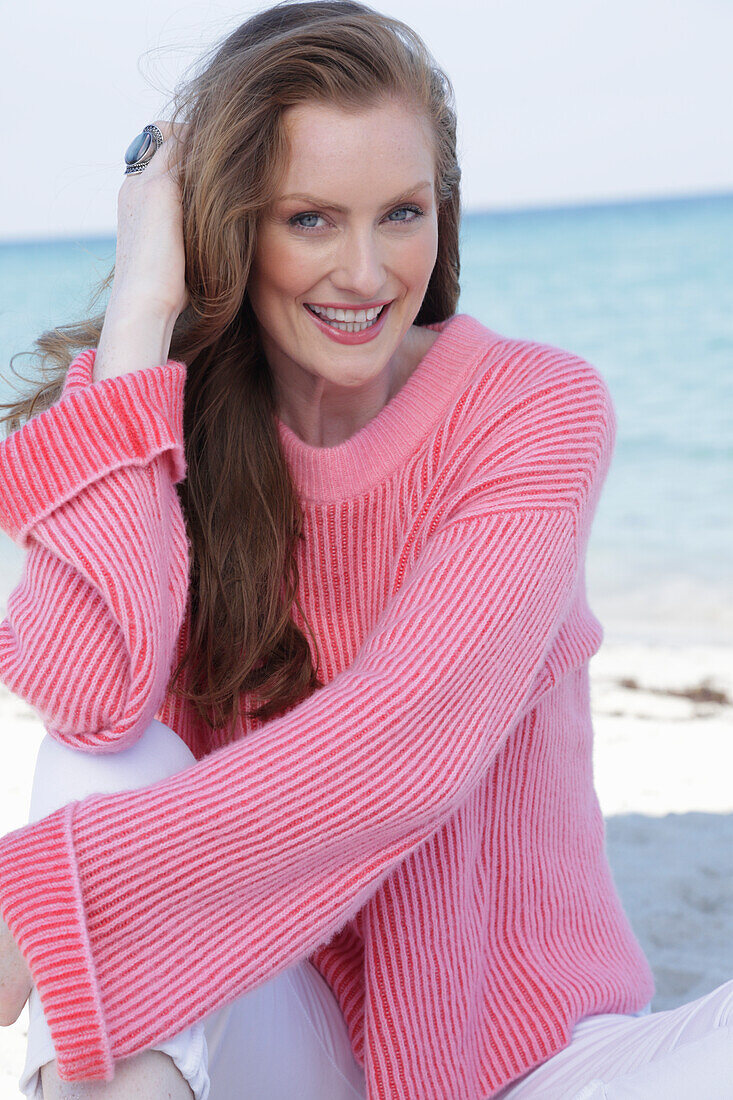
[
  {"x": 15, "y": 978},
  {"x": 150, "y": 265}
]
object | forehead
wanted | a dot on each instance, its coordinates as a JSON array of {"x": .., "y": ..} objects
[{"x": 374, "y": 148}]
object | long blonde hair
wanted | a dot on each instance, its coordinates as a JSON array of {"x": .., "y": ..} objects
[{"x": 242, "y": 512}]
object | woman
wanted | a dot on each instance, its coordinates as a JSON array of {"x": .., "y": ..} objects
[{"x": 309, "y": 595}]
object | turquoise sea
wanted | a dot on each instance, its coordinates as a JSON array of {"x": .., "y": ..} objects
[{"x": 644, "y": 290}]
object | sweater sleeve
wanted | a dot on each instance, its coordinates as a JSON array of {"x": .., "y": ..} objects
[
  {"x": 296, "y": 826},
  {"x": 87, "y": 487}
]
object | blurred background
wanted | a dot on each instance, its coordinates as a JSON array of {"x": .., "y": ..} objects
[
  {"x": 598, "y": 194},
  {"x": 595, "y": 142}
]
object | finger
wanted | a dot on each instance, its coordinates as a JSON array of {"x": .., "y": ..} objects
[
  {"x": 162, "y": 159},
  {"x": 171, "y": 129},
  {"x": 173, "y": 134}
]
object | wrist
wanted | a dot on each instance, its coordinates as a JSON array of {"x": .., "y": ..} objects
[
  {"x": 130, "y": 309},
  {"x": 132, "y": 338}
]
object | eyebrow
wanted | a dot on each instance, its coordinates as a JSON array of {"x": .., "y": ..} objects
[{"x": 326, "y": 205}]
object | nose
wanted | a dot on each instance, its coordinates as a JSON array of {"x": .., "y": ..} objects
[{"x": 359, "y": 267}]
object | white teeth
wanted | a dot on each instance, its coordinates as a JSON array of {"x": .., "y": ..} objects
[
  {"x": 348, "y": 320},
  {"x": 348, "y": 315}
]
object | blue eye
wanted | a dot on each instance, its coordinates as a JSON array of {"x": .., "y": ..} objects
[
  {"x": 296, "y": 220},
  {"x": 413, "y": 209}
]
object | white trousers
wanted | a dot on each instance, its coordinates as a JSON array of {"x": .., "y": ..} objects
[{"x": 287, "y": 1038}]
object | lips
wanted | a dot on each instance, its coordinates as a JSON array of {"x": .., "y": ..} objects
[{"x": 362, "y": 335}]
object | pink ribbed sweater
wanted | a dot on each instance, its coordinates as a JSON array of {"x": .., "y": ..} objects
[{"x": 425, "y": 827}]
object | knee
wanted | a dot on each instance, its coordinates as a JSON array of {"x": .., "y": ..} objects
[
  {"x": 724, "y": 1008},
  {"x": 63, "y": 774},
  {"x": 162, "y": 750}
]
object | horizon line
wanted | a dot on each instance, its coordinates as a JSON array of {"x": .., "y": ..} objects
[{"x": 466, "y": 212}]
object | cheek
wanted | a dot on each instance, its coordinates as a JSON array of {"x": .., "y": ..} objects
[
  {"x": 418, "y": 258},
  {"x": 279, "y": 270}
]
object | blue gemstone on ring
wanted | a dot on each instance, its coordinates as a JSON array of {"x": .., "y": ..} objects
[{"x": 138, "y": 147}]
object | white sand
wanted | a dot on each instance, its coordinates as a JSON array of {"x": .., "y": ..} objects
[{"x": 665, "y": 784}]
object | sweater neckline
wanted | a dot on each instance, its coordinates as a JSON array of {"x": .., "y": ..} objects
[{"x": 331, "y": 474}]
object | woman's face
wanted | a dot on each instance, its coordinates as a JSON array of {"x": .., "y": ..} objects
[{"x": 353, "y": 225}]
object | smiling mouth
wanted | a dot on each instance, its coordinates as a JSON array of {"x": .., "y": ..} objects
[{"x": 337, "y": 318}]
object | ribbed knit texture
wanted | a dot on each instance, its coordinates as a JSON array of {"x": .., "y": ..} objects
[{"x": 424, "y": 828}]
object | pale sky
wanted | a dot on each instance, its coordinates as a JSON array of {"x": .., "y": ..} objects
[{"x": 558, "y": 102}]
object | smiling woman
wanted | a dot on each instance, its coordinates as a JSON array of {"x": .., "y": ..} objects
[
  {"x": 330, "y": 276},
  {"x": 304, "y": 614}
]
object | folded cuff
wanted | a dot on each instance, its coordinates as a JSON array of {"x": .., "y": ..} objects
[
  {"x": 95, "y": 427},
  {"x": 40, "y": 901}
]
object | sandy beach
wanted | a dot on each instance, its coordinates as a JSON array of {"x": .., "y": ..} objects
[{"x": 663, "y": 718}]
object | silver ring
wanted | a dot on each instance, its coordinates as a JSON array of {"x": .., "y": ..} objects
[{"x": 143, "y": 148}]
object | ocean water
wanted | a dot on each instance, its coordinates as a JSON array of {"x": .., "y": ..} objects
[{"x": 643, "y": 290}]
